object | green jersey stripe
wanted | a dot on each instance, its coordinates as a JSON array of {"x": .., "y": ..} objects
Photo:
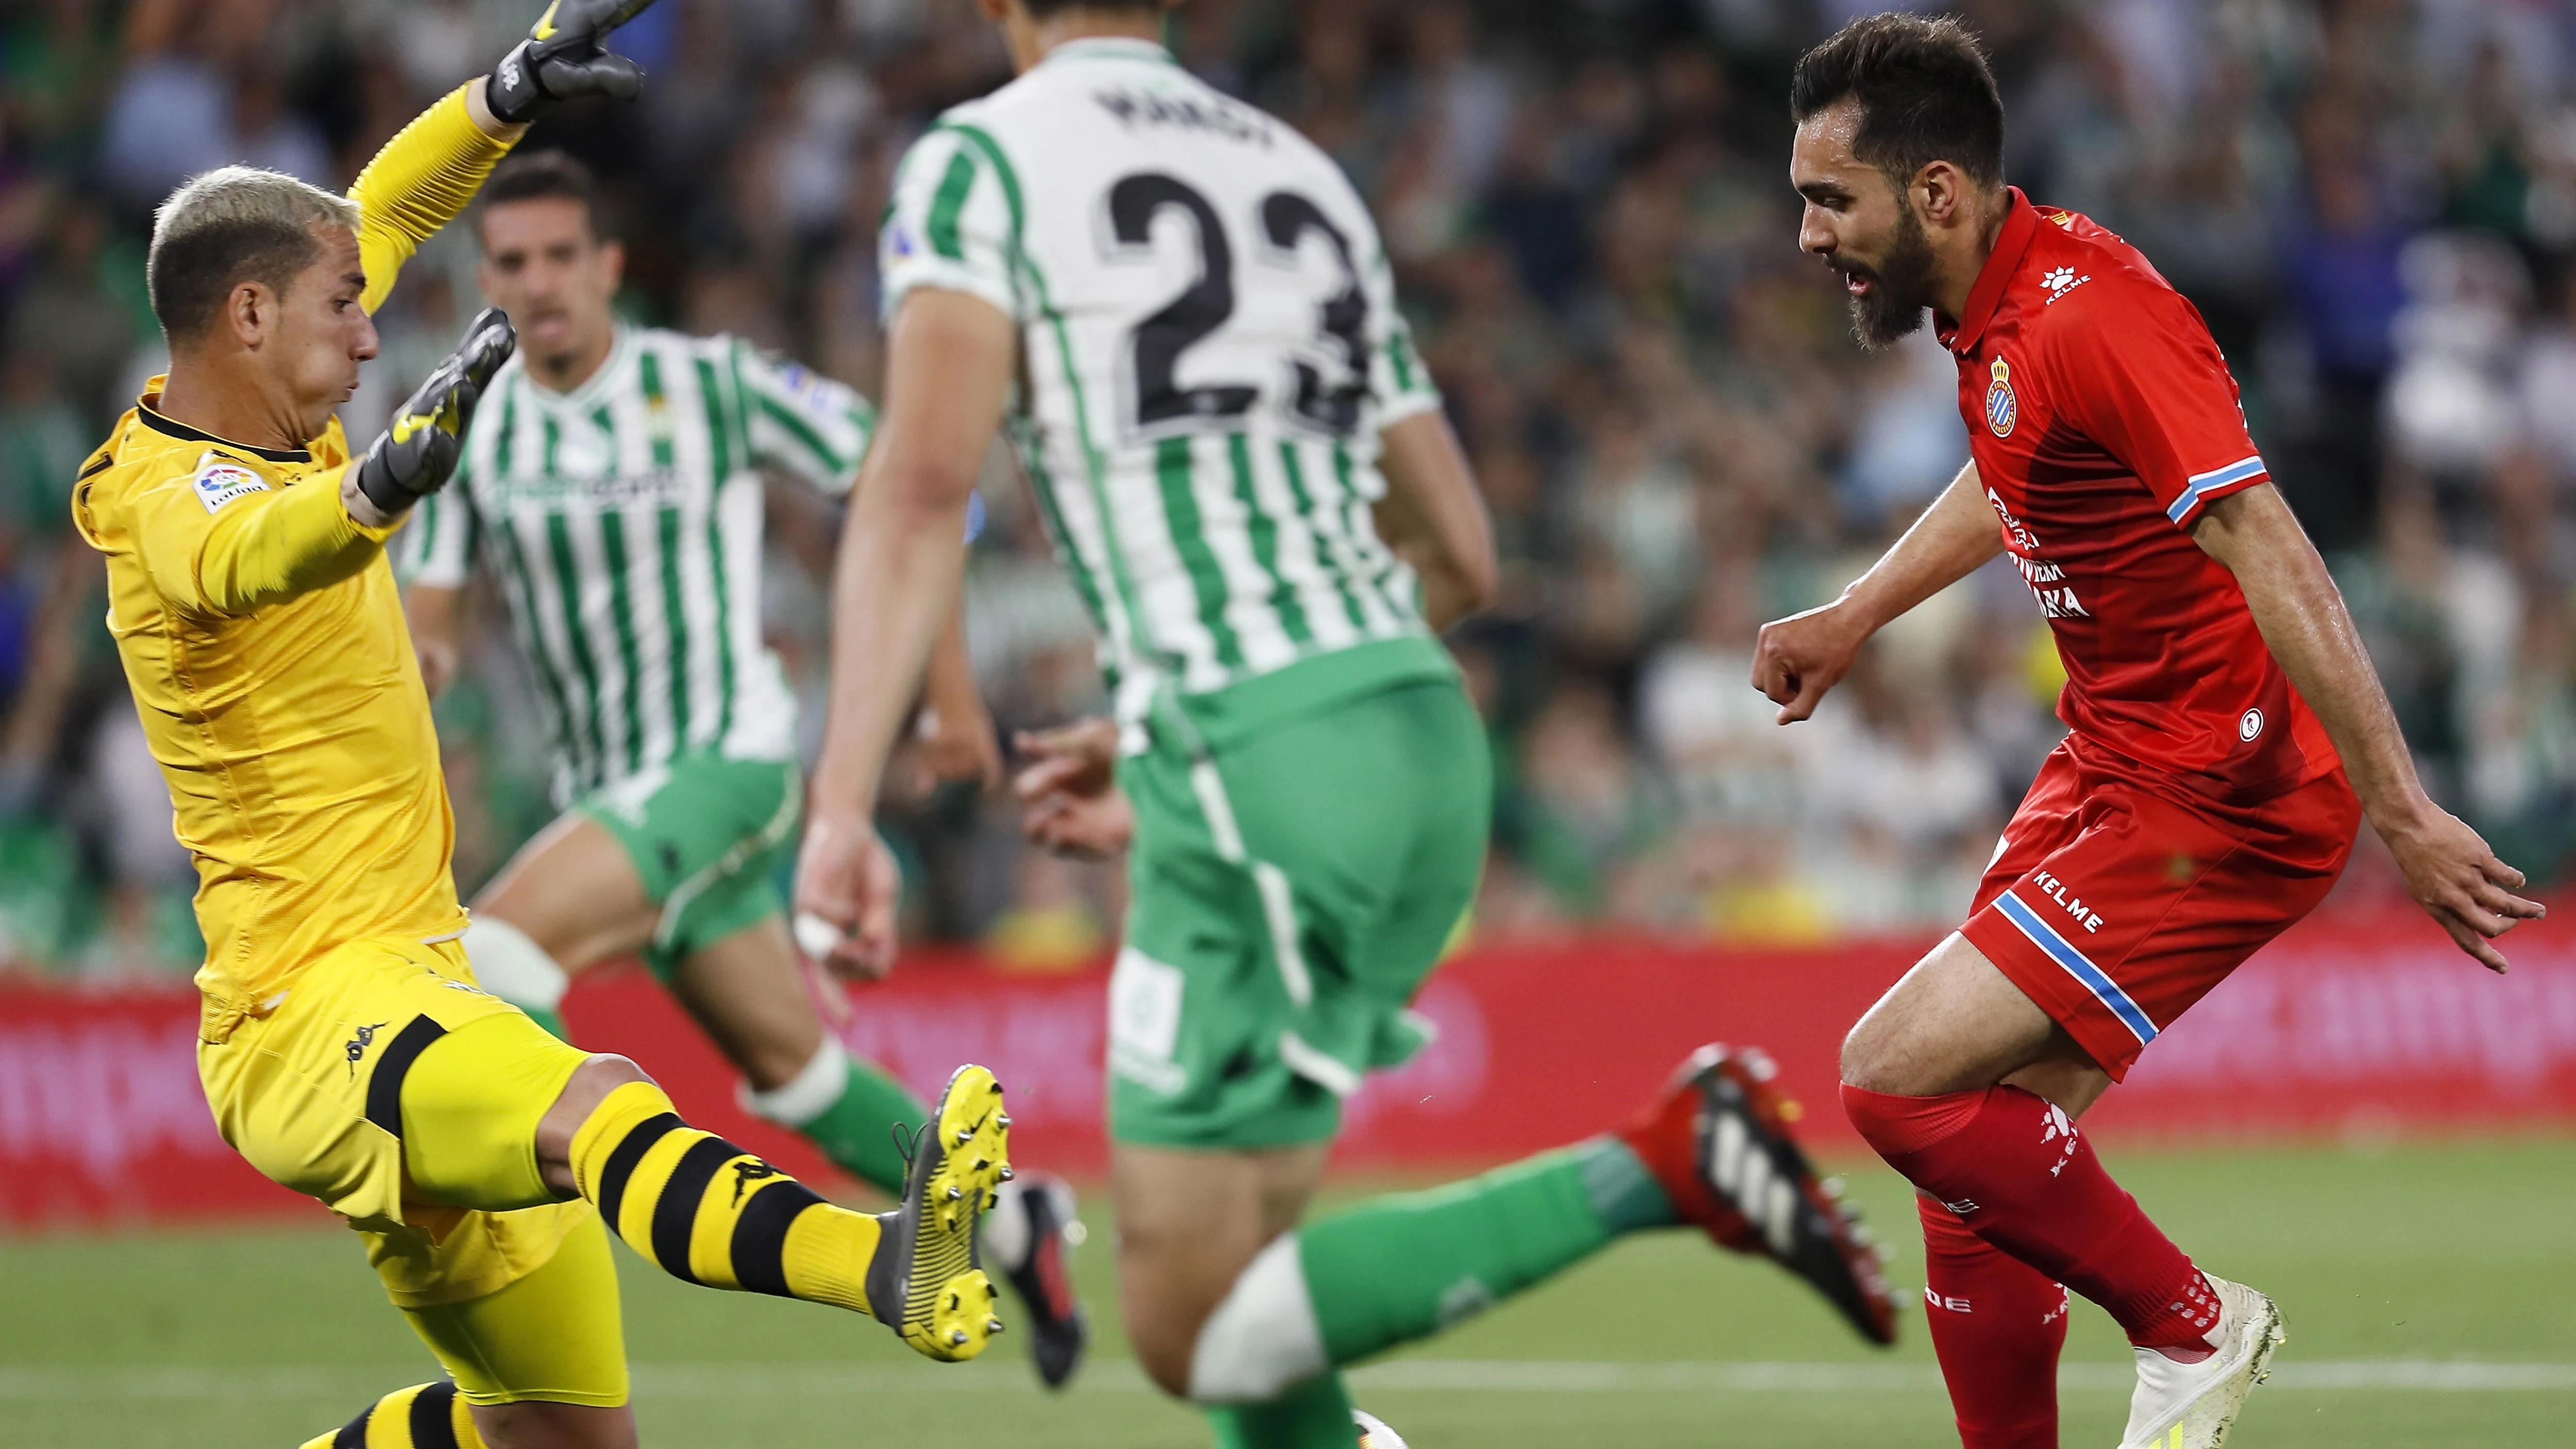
[
  {"x": 1265, "y": 544},
  {"x": 577, "y": 644},
  {"x": 734, "y": 425},
  {"x": 719, "y": 428},
  {"x": 724, "y": 628},
  {"x": 675, "y": 622},
  {"x": 505, "y": 441},
  {"x": 532, "y": 641},
  {"x": 612, "y": 526},
  {"x": 531, "y": 637},
  {"x": 657, "y": 409},
  {"x": 1303, "y": 564},
  {"x": 826, "y": 460},
  {"x": 1051, "y": 513},
  {"x": 1173, "y": 467},
  {"x": 1378, "y": 561},
  {"x": 1085, "y": 582},
  {"x": 1312, "y": 516},
  {"x": 949, "y": 204},
  {"x": 720, "y": 443}
]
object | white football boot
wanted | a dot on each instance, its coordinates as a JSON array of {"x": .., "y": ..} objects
[{"x": 2192, "y": 1405}]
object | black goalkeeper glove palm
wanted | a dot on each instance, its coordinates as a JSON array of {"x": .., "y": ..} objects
[
  {"x": 566, "y": 57},
  {"x": 417, "y": 453}
]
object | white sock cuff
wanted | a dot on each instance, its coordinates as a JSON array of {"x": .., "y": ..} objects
[
  {"x": 807, "y": 1095},
  {"x": 1003, "y": 1233},
  {"x": 1263, "y": 1340},
  {"x": 512, "y": 966}
]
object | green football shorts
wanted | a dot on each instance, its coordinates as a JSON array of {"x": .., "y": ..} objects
[
  {"x": 1291, "y": 888},
  {"x": 708, "y": 836}
]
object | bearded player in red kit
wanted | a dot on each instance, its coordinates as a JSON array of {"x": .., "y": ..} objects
[{"x": 2227, "y": 735}]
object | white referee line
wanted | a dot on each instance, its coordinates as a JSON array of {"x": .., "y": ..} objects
[{"x": 86, "y": 1384}]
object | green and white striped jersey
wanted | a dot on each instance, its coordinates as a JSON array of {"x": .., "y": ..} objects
[
  {"x": 622, "y": 521},
  {"x": 1211, "y": 347}
]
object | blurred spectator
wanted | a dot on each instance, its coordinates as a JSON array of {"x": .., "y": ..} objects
[
  {"x": 1587, "y": 812},
  {"x": 67, "y": 316}
]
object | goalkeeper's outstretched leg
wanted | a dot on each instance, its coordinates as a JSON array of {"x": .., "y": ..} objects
[
  {"x": 488, "y": 1163},
  {"x": 499, "y": 1115}
]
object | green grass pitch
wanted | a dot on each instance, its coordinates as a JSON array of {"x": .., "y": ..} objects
[{"x": 2430, "y": 1291}]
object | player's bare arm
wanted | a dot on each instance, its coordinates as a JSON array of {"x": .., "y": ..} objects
[
  {"x": 1798, "y": 659},
  {"x": 2449, "y": 869},
  {"x": 949, "y": 361},
  {"x": 1435, "y": 520},
  {"x": 956, "y": 739}
]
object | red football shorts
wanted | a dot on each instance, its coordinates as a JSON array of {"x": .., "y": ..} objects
[{"x": 2115, "y": 905}]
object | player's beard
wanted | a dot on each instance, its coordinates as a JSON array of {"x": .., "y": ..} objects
[{"x": 1900, "y": 287}]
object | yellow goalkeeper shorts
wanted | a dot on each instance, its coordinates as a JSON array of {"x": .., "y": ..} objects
[
  {"x": 553, "y": 1335},
  {"x": 383, "y": 1082}
]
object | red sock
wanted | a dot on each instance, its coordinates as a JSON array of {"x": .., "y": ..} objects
[
  {"x": 1998, "y": 1324},
  {"x": 2014, "y": 1169}
]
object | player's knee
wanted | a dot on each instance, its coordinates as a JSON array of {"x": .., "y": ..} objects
[
  {"x": 1165, "y": 1306},
  {"x": 1164, "y": 1355},
  {"x": 1240, "y": 1337},
  {"x": 589, "y": 1086},
  {"x": 1866, "y": 1057},
  {"x": 604, "y": 1073}
]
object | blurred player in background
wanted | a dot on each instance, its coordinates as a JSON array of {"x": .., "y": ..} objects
[
  {"x": 614, "y": 490},
  {"x": 2228, "y": 734},
  {"x": 345, "y": 1049},
  {"x": 1246, "y": 470}
]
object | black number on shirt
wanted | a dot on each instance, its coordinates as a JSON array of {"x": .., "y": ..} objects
[
  {"x": 1287, "y": 217},
  {"x": 1155, "y": 344}
]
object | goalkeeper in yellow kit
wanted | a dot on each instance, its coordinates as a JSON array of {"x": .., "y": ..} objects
[{"x": 345, "y": 1049}]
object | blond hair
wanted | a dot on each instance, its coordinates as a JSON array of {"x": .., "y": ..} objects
[{"x": 232, "y": 225}]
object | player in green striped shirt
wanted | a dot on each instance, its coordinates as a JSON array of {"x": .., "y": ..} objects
[
  {"x": 1181, "y": 311},
  {"x": 614, "y": 491}
]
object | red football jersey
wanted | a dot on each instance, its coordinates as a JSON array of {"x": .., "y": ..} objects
[{"x": 2103, "y": 420}]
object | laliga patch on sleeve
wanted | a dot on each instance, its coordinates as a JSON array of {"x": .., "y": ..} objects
[
  {"x": 803, "y": 385},
  {"x": 220, "y": 483}
]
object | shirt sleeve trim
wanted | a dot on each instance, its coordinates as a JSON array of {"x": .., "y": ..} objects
[{"x": 2202, "y": 487}]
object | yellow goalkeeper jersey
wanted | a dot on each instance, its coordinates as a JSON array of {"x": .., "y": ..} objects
[{"x": 263, "y": 637}]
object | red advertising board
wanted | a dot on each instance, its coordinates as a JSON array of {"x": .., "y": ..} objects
[{"x": 2344, "y": 1025}]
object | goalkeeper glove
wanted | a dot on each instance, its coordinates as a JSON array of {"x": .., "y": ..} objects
[
  {"x": 564, "y": 58},
  {"x": 417, "y": 453}
]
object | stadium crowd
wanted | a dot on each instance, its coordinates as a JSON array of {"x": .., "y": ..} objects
[{"x": 2372, "y": 201}]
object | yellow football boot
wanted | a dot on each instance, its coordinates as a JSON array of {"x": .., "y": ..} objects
[{"x": 927, "y": 1281}]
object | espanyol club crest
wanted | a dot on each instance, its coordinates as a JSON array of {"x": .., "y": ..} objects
[{"x": 2001, "y": 407}]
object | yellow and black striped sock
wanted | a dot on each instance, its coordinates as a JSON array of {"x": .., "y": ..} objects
[
  {"x": 425, "y": 1416},
  {"x": 708, "y": 1212}
]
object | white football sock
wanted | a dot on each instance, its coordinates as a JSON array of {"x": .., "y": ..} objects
[
  {"x": 1004, "y": 1232},
  {"x": 512, "y": 966},
  {"x": 807, "y": 1095},
  {"x": 1264, "y": 1339}
]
